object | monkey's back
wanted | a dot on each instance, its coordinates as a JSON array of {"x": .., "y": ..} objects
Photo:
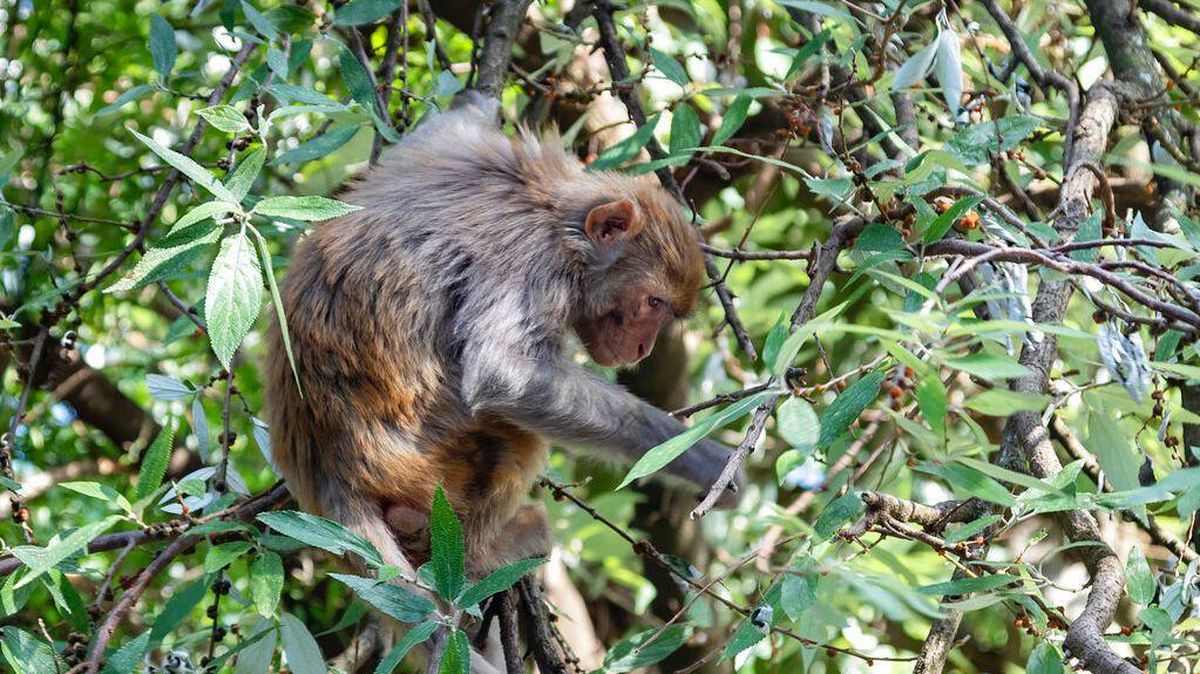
[{"x": 374, "y": 302}]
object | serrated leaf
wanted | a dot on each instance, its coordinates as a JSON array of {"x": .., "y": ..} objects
[
  {"x": 798, "y": 594},
  {"x": 321, "y": 533},
  {"x": 266, "y": 582},
  {"x": 389, "y": 598},
  {"x": 39, "y": 560},
  {"x": 446, "y": 554},
  {"x": 102, "y": 492},
  {"x": 125, "y": 97},
  {"x": 261, "y": 23},
  {"x": 246, "y": 172},
  {"x": 299, "y": 646},
  {"x": 226, "y": 118},
  {"x": 309, "y": 209},
  {"x": 732, "y": 120},
  {"x": 497, "y": 581},
  {"x": 163, "y": 262},
  {"x": 844, "y": 410},
  {"x": 1044, "y": 659},
  {"x": 839, "y": 512},
  {"x": 669, "y": 67},
  {"x": 221, "y": 556},
  {"x": 162, "y": 45},
  {"x": 961, "y": 586},
  {"x": 154, "y": 463},
  {"x": 205, "y": 211},
  {"x": 456, "y": 657},
  {"x": 357, "y": 80},
  {"x": 26, "y": 654},
  {"x": 361, "y": 12},
  {"x": 633, "y": 652},
  {"x": 977, "y": 142},
  {"x": 1139, "y": 580},
  {"x": 280, "y": 319},
  {"x": 318, "y": 147},
  {"x": 659, "y": 456},
  {"x": 234, "y": 296},
  {"x": 414, "y": 636},
  {"x": 162, "y": 387},
  {"x": 127, "y": 658},
  {"x": 685, "y": 130},
  {"x": 185, "y": 165}
]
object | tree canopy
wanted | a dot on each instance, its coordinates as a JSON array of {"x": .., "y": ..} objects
[{"x": 950, "y": 330}]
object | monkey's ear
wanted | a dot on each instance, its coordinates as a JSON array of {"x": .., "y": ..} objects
[{"x": 613, "y": 221}]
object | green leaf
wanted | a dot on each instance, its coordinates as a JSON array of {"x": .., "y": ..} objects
[
  {"x": 634, "y": 652},
  {"x": 446, "y": 554},
  {"x": 321, "y": 533},
  {"x": 988, "y": 366},
  {"x": 262, "y": 24},
  {"x": 961, "y": 586},
  {"x": 731, "y": 122},
  {"x": 774, "y": 343},
  {"x": 163, "y": 262},
  {"x": 195, "y": 172},
  {"x": 277, "y": 302},
  {"x": 841, "y": 511},
  {"x": 221, "y": 556},
  {"x": 456, "y": 658},
  {"x": 975, "y": 483},
  {"x": 497, "y": 581},
  {"x": 412, "y": 637},
  {"x": 178, "y": 607},
  {"x": 931, "y": 399},
  {"x": 659, "y": 456},
  {"x": 846, "y": 407},
  {"x": 447, "y": 84},
  {"x": 669, "y": 67},
  {"x": 975, "y": 143},
  {"x": 1001, "y": 402},
  {"x": 360, "y": 12},
  {"x": 798, "y": 594},
  {"x": 625, "y": 150},
  {"x": 266, "y": 582},
  {"x": 942, "y": 223},
  {"x": 205, "y": 211},
  {"x": 125, "y": 97},
  {"x": 1044, "y": 659},
  {"x": 299, "y": 646},
  {"x": 319, "y": 146},
  {"x": 26, "y": 654},
  {"x": 960, "y": 532},
  {"x": 162, "y": 45},
  {"x": 154, "y": 463},
  {"x": 747, "y": 634},
  {"x": 309, "y": 209},
  {"x": 256, "y": 656},
  {"x": 42, "y": 559},
  {"x": 246, "y": 172},
  {"x": 234, "y": 296},
  {"x": 128, "y": 658},
  {"x": 389, "y": 598},
  {"x": 1010, "y": 476},
  {"x": 807, "y": 51},
  {"x": 1113, "y": 450},
  {"x": 798, "y": 424},
  {"x": 1138, "y": 577},
  {"x": 102, "y": 492},
  {"x": 357, "y": 80},
  {"x": 685, "y": 130},
  {"x": 225, "y": 118}
]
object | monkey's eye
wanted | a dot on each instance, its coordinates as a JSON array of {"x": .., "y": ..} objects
[{"x": 656, "y": 302}]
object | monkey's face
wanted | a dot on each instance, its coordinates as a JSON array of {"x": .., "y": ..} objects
[
  {"x": 625, "y": 334},
  {"x": 654, "y": 278}
]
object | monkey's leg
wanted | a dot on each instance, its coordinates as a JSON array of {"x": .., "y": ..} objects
[{"x": 526, "y": 534}]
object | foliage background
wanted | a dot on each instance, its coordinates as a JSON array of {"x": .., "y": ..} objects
[{"x": 858, "y": 165}]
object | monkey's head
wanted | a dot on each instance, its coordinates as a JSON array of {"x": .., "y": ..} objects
[{"x": 644, "y": 268}]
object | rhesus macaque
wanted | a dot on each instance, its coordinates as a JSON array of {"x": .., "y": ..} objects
[{"x": 430, "y": 333}]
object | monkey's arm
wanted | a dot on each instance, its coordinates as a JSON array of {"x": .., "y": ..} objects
[{"x": 570, "y": 405}]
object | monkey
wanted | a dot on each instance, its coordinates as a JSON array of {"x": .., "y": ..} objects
[{"x": 431, "y": 333}]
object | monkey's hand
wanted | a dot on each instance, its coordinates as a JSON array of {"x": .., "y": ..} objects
[{"x": 703, "y": 463}]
